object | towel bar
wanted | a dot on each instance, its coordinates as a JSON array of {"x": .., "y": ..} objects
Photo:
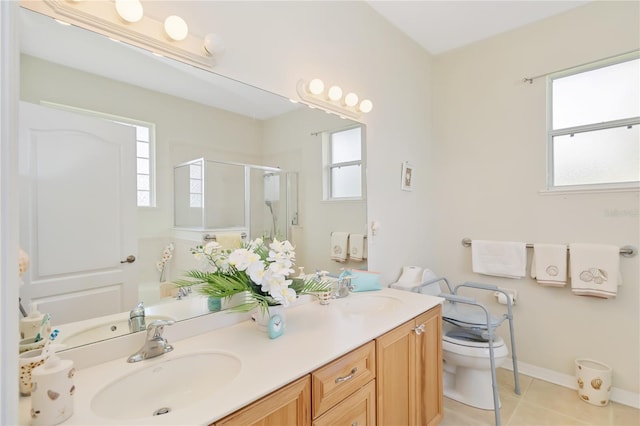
[
  {"x": 626, "y": 251},
  {"x": 210, "y": 237}
]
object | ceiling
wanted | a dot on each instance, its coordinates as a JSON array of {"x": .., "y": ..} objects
[{"x": 440, "y": 26}]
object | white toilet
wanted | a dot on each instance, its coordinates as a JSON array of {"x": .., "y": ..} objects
[
  {"x": 467, "y": 368},
  {"x": 467, "y": 362}
]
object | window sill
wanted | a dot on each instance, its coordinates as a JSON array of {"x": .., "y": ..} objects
[
  {"x": 344, "y": 200},
  {"x": 600, "y": 189}
]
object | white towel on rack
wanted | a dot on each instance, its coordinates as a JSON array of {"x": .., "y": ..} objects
[
  {"x": 595, "y": 269},
  {"x": 339, "y": 246},
  {"x": 499, "y": 258},
  {"x": 357, "y": 251},
  {"x": 230, "y": 241},
  {"x": 549, "y": 264}
]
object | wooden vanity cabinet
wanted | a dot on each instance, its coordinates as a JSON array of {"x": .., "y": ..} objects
[
  {"x": 290, "y": 405},
  {"x": 394, "y": 380},
  {"x": 409, "y": 372}
]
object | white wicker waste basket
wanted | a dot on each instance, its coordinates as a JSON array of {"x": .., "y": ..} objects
[{"x": 594, "y": 381}]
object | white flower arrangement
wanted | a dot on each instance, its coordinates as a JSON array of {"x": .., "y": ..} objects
[
  {"x": 259, "y": 270},
  {"x": 167, "y": 254}
]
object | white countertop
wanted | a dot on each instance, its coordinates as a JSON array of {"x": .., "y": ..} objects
[{"x": 315, "y": 335}]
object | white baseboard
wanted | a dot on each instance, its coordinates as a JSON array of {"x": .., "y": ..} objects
[{"x": 620, "y": 396}]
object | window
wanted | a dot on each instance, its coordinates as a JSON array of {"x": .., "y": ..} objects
[
  {"x": 343, "y": 164},
  {"x": 144, "y": 164},
  {"x": 195, "y": 185},
  {"x": 594, "y": 122}
]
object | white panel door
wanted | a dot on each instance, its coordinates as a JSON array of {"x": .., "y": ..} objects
[{"x": 78, "y": 217}]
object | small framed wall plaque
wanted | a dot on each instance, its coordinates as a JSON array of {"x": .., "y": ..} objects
[{"x": 407, "y": 176}]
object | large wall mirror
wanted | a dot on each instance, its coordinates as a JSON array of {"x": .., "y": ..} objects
[{"x": 189, "y": 113}]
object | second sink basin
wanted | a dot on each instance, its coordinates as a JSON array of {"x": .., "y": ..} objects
[
  {"x": 165, "y": 386},
  {"x": 367, "y": 304}
]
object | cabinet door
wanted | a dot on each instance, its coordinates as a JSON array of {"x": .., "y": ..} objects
[
  {"x": 357, "y": 410},
  {"x": 289, "y": 406},
  {"x": 409, "y": 372},
  {"x": 429, "y": 367},
  {"x": 395, "y": 372}
]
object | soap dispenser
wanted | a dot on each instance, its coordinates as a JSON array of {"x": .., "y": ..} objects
[{"x": 30, "y": 324}]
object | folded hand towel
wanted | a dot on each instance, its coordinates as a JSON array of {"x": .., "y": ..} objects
[
  {"x": 549, "y": 264},
  {"x": 230, "y": 241},
  {"x": 499, "y": 258},
  {"x": 356, "y": 247},
  {"x": 595, "y": 269},
  {"x": 339, "y": 246}
]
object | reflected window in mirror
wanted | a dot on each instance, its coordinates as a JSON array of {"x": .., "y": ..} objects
[
  {"x": 195, "y": 185},
  {"x": 342, "y": 153},
  {"x": 145, "y": 151}
]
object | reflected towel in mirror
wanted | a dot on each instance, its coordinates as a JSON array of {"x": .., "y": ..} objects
[
  {"x": 339, "y": 246},
  {"x": 229, "y": 241},
  {"x": 357, "y": 247}
]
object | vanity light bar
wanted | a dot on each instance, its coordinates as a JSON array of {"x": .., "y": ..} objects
[
  {"x": 125, "y": 21},
  {"x": 332, "y": 99}
]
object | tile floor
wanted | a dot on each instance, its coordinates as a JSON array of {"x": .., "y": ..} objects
[{"x": 540, "y": 403}]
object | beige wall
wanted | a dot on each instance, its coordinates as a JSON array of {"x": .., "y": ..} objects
[{"x": 490, "y": 145}]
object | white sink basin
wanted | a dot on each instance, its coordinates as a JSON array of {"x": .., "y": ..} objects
[
  {"x": 166, "y": 386},
  {"x": 104, "y": 331},
  {"x": 368, "y": 304}
]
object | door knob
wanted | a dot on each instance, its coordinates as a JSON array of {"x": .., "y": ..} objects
[{"x": 130, "y": 259}]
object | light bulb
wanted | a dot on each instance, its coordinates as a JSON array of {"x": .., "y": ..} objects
[
  {"x": 335, "y": 93},
  {"x": 129, "y": 10},
  {"x": 213, "y": 44},
  {"x": 366, "y": 106},
  {"x": 176, "y": 28},
  {"x": 316, "y": 86},
  {"x": 351, "y": 99}
]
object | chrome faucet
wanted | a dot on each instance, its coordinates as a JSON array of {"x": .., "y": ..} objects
[
  {"x": 154, "y": 344},
  {"x": 344, "y": 287},
  {"x": 136, "y": 318},
  {"x": 183, "y": 292}
]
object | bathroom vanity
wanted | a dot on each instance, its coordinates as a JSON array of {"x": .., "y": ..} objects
[{"x": 369, "y": 358}]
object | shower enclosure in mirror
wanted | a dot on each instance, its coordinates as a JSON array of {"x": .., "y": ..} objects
[{"x": 224, "y": 196}]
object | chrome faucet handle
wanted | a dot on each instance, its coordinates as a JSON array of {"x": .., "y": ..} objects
[
  {"x": 154, "y": 344},
  {"x": 155, "y": 329},
  {"x": 182, "y": 292},
  {"x": 344, "y": 287}
]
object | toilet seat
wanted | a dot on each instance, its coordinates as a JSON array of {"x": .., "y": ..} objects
[{"x": 497, "y": 342}]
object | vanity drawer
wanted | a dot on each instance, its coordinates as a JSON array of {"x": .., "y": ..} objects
[{"x": 340, "y": 378}]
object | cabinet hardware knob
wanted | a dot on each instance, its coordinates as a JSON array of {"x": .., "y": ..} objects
[
  {"x": 130, "y": 259},
  {"x": 349, "y": 377},
  {"x": 420, "y": 329}
]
